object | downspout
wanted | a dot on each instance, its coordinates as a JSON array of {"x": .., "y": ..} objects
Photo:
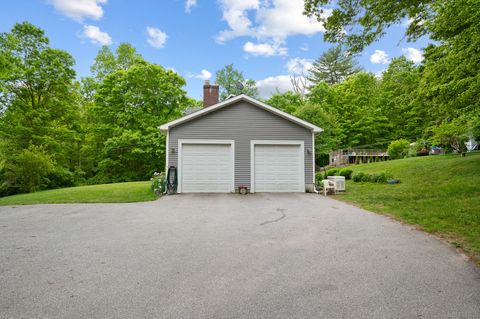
[{"x": 313, "y": 160}]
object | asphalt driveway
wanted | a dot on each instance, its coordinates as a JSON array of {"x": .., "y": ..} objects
[{"x": 226, "y": 256}]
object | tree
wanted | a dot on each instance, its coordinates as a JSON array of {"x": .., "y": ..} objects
[
  {"x": 288, "y": 102},
  {"x": 399, "y": 101},
  {"x": 331, "y": 136},
  {"x": 29, "y": 170},
  {"x": 107, "y": 62},
  {"x": 358, "y": 113},
  {"x": 452, "y": 135},
  {"x": 40, "y": 103},
  {"x": 231, "y": 81},
  {"x": 129, "y": 106},
  {"x": 358, "y": 23},
  {"x": 451, "y": 75},
  {"x": 333, "y": 66},
  {"x": 398, "y": 149}
]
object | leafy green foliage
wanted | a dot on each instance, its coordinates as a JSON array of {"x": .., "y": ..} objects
[
  {"x": 39, "y": 109},
  {"x": 319, "y": 176},
  {"x": 452, "y": 135},
  {"x": 445, "y": 87},
  {"x": 358, "y": 111},
  {"x": 229, "y": 79},
  {"x": 398, "y": 149},
  {"x": 451, "y": 76},
  {"x": 107, "y": 62},
  {"x": 399, "y": 102},
  {"x": 288, "y": 102},
  {"x": 332, "y": 172},
  {"x": 158, "y": 182},
  {"x": 346, "y": 172},
  {"x": 30, "y": 169},
  {"x": 358, "y": 23},
  {"x": 129, "y": 106},
  {"x": 333, "y": 66},
  {"x": 362, "y": 177},
  {"x": 358, "y": 177},
  {"x": 104, "y": 128},
  {"x": 316, "y": 114},
  {"x": 61, "y": 177}
]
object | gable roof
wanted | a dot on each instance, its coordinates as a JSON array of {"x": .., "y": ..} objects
[{"x": 233, "y": 100}]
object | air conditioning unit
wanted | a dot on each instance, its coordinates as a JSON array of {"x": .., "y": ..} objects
[{"x": 339, "y": 182}]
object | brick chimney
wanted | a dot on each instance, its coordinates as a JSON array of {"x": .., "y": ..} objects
[{"x": 210, "y": 94}]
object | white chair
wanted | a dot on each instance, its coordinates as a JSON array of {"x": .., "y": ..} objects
[{"x": 328, "y": 185}]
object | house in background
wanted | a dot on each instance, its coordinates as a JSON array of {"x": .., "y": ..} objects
[{"x": 240, "y": 142}]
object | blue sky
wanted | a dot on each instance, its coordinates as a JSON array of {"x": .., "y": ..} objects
[{"x": 268, "y": 40}]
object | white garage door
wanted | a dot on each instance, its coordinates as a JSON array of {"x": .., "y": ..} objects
[
  {"x": 206, "y": 168},
  {"x": 278, "y": 168}
]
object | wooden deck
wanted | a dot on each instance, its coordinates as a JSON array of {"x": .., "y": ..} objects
[{"x": 357, "y": 156}]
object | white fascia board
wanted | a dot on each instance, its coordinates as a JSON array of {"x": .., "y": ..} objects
[{"x": 314, "y": 128}]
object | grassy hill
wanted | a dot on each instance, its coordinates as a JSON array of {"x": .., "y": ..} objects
[
  {"x": 441, "y": 194},
  {"x": 104, "y": 193}
]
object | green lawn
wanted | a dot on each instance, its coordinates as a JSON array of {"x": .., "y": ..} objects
[
  {"x": 441, "y": 194},
  {"x": 104, "y": 193}
]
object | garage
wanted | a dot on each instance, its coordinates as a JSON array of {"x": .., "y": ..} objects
[
  {"x": 240, "y": 145},
  {"x": 206, "y": 166},
  {"x": 277, "y": 166}
]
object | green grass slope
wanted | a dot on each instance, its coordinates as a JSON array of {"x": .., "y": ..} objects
[
  {"x": 104, "y": 193},
  {"x": 439, "y": 193}
]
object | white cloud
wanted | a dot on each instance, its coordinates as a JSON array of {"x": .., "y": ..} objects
[
  {"x": 273, "y": 20},
  {"x": 80, "y": 9},
  {"x": 413, "y": 54},
  {"x": 156, "y": 37},
  {"x": 299, "y": 66},
  {"x": 274, "y": 84},
  {"x": 265, "y": 49},
  {"x": 96, "y": 35},
  {"x": 203, "y": 75},
  {"x": 189, "y": 4},
  {"x": 379, "y": 57}
]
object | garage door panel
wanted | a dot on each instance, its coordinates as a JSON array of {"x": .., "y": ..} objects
[
  {"x": 278, "y": 168},
  {"x": 207, "y": 168}
]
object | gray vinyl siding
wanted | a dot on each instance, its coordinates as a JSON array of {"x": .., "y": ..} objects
[{"x": 242, "y": 122}]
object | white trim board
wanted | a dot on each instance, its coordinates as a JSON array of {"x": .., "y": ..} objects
[
  {"x": 205, "y": 141},
  {"x": 313, "y": 157},
  {"x": 167, "y": 150},
  {"x": 277, "y": 142},
  {"x": 241, "y": 97}
]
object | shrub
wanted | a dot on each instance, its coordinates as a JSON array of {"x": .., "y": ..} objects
[
  {"x": 398, "y": 149},
  {"x": 358, "y": 177},
  {"x": 31, "y": 168},
  {"x": 158, "y": 182},
  {"x": 60, "y": 177},
  {"x": 367, "y": 178},
  {"x": 318, "y": 178},
  {"x": 372, "y": 178},
  {"x": 346, "y": 172},
  {"x": 332, "y": 172},
  {"x": 380, "y": 178}
]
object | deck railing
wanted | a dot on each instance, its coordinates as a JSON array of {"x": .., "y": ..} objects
[{"x": 357, "y": 155}]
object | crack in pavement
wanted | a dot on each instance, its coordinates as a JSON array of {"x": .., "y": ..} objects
[{"x": 281, "y": 210}]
